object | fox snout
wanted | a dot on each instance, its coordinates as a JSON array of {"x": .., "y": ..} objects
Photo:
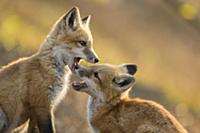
[{"x": 91, "y": 56}]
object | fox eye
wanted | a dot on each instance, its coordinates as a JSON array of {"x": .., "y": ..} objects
[
  {"x": 83, "y": 43},
  {"x": 96, "y": 75}
]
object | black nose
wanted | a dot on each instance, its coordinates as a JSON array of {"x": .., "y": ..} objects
[{"x": 96, "y": 60}]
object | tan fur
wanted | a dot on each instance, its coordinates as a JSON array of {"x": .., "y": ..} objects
[
  {"x": 110, "y": 110},
  {"x": 32, "y": 86}
]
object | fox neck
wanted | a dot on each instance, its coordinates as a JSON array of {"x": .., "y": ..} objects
[
  {"x": 51, "y": 54},
  {"x": 52, "y": 60},
  {"x": 97, "y": 108}
]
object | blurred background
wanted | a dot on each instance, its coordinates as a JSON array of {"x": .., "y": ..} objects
[{"x": 161, "y": 36}]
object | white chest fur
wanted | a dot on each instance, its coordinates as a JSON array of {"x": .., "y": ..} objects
[
  {"x": 62, "y": 74},
  {"x": 92, "y": 109},
  {"x": 59, "y": 89}
]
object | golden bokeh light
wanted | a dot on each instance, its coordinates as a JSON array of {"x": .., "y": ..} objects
[{"x": 188, "y": 11}]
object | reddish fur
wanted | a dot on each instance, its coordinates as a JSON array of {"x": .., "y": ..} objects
[{"x": 114, "y": 112}]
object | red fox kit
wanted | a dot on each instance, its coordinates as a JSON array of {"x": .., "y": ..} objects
[
  {"x": 31, "y": 87},
  {"x": 109, "y": 108}
]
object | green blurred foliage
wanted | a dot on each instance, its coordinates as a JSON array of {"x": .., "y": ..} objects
[{"x": 13, "y": 31}]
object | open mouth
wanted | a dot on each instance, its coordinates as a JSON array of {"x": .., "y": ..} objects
[
  {"x": 75, "y": 64},
  {"x": 78, "y": 85}
]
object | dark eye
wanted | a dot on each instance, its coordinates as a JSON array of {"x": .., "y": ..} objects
[
  {"x": 96, "y": 75},
  {"x": 83, "y": 43}
]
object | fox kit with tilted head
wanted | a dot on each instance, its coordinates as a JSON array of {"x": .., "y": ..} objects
[
  {"x": 31, "y": 87},
  {"x": 109, "y": 108}
]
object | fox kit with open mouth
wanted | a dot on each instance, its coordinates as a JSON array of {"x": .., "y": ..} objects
[
  {"x": 31, "y": 87},
  {"x": 109, "y": 108}
]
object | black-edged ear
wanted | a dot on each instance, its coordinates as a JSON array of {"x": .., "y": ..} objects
[
  {"x": 123, "y": 81},
  {"x": 130, "y": 68},
  {"x": 72, "y": 19},
  {"x": 86, "y": 20}
]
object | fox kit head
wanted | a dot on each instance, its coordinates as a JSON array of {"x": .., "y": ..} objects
[
  {"x": 105, "y": 81},
  {"x": 72, "y": 39}
]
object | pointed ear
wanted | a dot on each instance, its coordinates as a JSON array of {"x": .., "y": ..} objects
[
  {"x": 130, "y": 68},
  {"x": 123, "y": 82},
  {"x": 72, "y": 19},
  {"x": 86, "y": 20}
]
